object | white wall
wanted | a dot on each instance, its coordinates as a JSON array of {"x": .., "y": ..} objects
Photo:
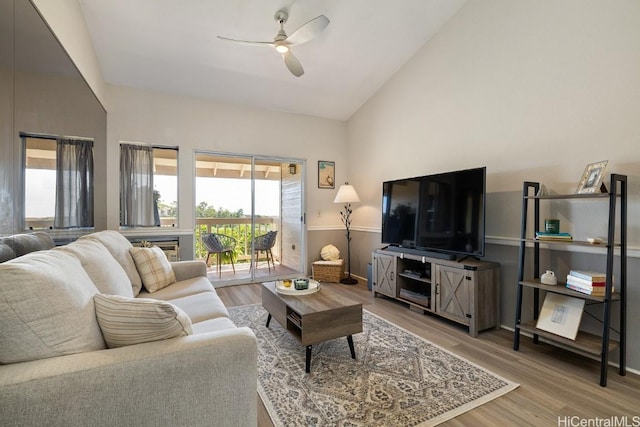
[
  {"x": 196, "y": 124},
  {"x": 66, "y": 20},
  {"x": 534, "y": 90}
]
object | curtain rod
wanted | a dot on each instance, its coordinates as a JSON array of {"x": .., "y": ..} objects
[{"x": 48, "y": 136}]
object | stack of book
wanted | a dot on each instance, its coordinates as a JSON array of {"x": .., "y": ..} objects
[
  {"x": 559, "y": 237},
  {"x": 587, "y": 282}
]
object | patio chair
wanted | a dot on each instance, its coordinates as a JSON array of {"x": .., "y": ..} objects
[
  {"x": 219, "y": 244},
  {"x": 264, "y": 243}
]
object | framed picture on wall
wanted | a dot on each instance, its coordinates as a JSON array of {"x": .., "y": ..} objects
[
  {"x": 326, "y": 174},
  {"x": 592, "y": 177}
]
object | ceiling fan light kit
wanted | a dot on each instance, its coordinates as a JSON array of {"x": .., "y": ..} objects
[
  {"x": 282, "y": 43},
  {"x": 282, "y": 48}
]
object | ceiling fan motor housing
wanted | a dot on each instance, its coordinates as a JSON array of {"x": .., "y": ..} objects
[{"x": 281, "y": 16}]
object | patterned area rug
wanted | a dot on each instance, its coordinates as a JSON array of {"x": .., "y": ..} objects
[{"x": 398, "y": 379}]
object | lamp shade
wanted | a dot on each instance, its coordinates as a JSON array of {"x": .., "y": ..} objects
[{"x": 346, "y": 194}]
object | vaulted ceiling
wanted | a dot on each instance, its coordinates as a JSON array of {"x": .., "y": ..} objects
[{"x": 172, "y": 46}]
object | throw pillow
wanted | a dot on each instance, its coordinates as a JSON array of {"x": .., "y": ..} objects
[
  {"x": 127, "y": 321},
  {"x": 330, "y": 253},
  {"x": 154, "y": 268},
  {"x": 46, "y": 308},
  {"x": 103, "y": 269}
]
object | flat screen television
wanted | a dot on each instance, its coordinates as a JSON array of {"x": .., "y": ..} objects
[{"x": 442, "y": 213}]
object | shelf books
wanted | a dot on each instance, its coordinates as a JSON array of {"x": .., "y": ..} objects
[
  {"x": 587, "y": 282},
  {"x": 558, "y": 237},
  {"x": 591, "y": 276}
]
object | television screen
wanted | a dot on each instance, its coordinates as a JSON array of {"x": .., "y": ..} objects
[{"x": 442, "y": 212}]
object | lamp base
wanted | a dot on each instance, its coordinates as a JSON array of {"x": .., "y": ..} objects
[{"x": 349, "y": 281}]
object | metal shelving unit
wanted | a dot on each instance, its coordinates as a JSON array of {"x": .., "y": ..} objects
[{"x": 596, "y": 345}]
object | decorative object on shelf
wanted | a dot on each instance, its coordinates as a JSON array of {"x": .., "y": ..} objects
[
  {"x": 542, "y": 191},
  {"x": 292, "y": 168},
  {"x": 561, "y": 315},
  {"x": 549, "y": 278},
  {"x": 326, "y": 174},
  {"x": 552, "y": 226},
  {"x": 591, "y": 181},
  {"x": 145, "y": 244},
  {"x": 330, "y": 253},
  {"x": 347, "y": 195},
  {"x": 594, "y": 240},
  {"x": 558, "y": 237}
]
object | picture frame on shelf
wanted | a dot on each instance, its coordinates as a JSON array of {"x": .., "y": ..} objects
[
  {"x": 561, "y": 315},
  {"x": 326, "y": 174},
  {"x": 591, "y": 181}
]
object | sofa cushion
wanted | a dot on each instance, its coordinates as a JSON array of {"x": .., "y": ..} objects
[
  {"x": 26, "y": 243},
  {"x": 6, "y": 253},
  {"x": 201, "y": 307},
  {"x": 119, "y": 246},
  {"x": 154, "y": 268},
  {"x": 213, "y": 325},
  {"x": 127, "y": 321},
  {"x": 103, "y": 269},
  {"x": 180, "y": 289},
  {"x": 46, "y": 308}
]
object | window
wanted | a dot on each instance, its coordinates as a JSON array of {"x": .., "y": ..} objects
[
  {"x": 148, "y": 185},
  {"x": 165, "y": 184},
  {"x": 58, "y": 182}
]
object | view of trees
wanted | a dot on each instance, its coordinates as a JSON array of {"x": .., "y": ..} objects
[
  {"x": 240, "y": 232},
  {"x": 204, "y": 210}
]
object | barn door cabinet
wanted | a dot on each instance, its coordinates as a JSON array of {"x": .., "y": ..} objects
[{"x": 466, "y": 291}]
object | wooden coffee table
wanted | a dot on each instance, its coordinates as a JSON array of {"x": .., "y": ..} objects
[{"x": 313, "y": 318}]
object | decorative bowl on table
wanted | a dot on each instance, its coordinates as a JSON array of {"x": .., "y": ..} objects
[{"x": 301, "y": 284}]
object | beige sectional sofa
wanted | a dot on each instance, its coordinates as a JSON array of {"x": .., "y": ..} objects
[{"x": 83, "y": 342}]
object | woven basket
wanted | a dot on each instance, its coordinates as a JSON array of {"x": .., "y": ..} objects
[{"x": 328, "y": 271}]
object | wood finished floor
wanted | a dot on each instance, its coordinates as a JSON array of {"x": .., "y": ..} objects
[{"x": 554, "y": 383}]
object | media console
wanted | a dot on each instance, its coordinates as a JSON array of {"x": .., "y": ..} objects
[{"x": 465, "y": 291}]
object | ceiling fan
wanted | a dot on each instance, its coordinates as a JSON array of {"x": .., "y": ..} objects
[{"x": 282, "y": 43}]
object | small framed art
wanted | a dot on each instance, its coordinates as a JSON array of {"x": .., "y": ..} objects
[
  {"x": 326, "y": 174},
  {"x": 561, "y": 315},
  {"x": 591, "y": 181}
]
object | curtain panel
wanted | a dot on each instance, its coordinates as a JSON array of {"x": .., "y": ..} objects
[
  {"x": 137, "y": 202},
  {"x": 74, "y": 183}
]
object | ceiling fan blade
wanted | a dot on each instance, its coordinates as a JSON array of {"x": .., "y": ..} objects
[
  {"x": 309, "y": 30},
  {"x": 293, "y": 64},
  {"x": 247, "y": 42}
]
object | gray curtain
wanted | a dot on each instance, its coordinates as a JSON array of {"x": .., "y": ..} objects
[
  {"x": 74, "y": 183},
  {"x": 137, "y": 204}
]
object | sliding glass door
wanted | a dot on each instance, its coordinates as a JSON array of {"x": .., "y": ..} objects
[{"x": 249, "y": 217}]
